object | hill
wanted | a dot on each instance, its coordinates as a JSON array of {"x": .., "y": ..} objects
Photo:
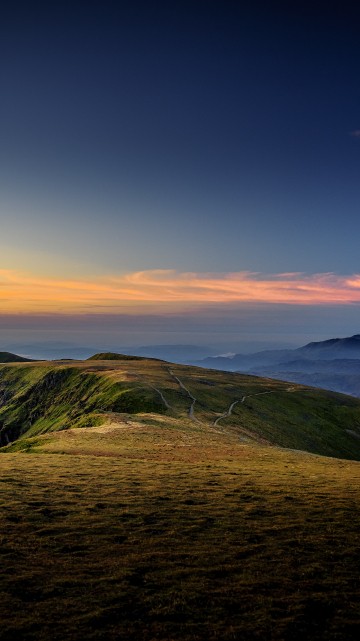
[
  {"x": 113, "y": 356},
  {"x": 144, "y": 500},
  {"x": 8, "y": 357},
  {"x": 45, "y": 396},
  {"x": 176, "y": 530}
]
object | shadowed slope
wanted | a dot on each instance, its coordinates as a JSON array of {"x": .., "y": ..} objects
[{"x": 8, "y": 357}]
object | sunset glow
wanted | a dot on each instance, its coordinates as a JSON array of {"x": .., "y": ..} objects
[{"x": 168, "y": 289}]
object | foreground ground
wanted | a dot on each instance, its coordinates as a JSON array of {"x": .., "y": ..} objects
[{"x": 157, "y": 528}]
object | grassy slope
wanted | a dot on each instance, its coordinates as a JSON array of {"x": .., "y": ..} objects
[
  {"x": 46, "y": 398},
  {"x": 158, "y": 527},
  {"x": 164, "y": 530},
  {"x": 42, "y": 397}
]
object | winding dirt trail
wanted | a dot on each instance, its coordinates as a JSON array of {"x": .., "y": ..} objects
[
  {"x": 168, "y": 407},
  {"x": 243, "y": 399},
  {"x": 192, "y": 398},
  {"x": 273, "y": 391},
  {"x": 140, "y": 378},
  {"x": 228, "y": 413}
]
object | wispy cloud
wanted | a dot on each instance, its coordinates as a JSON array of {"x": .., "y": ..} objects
[
  {"x": 167, "y": 290},
  {"x": 355, "y": 133}
]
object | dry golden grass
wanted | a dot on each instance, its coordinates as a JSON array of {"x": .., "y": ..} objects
[
  {"x": 125, "y": 517},
  {"x": 151, "y": 528}
]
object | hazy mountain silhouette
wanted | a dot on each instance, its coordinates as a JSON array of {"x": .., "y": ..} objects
[{"x": 332, "y": 364}]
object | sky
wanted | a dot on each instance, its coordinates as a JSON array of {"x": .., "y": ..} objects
[{"x": 179, "y": 172}]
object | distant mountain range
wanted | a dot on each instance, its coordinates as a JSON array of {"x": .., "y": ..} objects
[
  {"x": 49, "y": 350},
  {"x": 332, "y": 364}
]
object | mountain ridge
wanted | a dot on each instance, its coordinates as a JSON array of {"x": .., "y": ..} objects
[
  {"x": 44, "y": 397},
  {"x": 331, "y": 347},
  {"x": 305, "y": 365},
  {"x": 167, "y": 493}
]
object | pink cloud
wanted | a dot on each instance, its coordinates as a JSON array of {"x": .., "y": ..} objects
[{"x": 167, "y": 289}]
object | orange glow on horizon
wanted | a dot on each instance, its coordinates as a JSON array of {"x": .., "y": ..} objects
[{"x": 169, "y": 290}]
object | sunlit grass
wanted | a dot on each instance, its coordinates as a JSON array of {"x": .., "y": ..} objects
[
  {"x": 177, "y": 535},
  {"x": 123, "y": 519},
  {"x": 40, "y": 397}
]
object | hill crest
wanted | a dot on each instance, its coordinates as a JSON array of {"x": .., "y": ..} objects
[
  {"x": 37, "y": 398},
  {"x": 114, "y": 356},
  {"x": 8, "y": 357}
]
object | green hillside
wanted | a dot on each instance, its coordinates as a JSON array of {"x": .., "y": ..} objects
[{"x": 42, "y": 397}]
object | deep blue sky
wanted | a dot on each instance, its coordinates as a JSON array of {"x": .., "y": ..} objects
[
  {"x": 208, "y": 135},
  {"x": 197, "y": 136}
]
